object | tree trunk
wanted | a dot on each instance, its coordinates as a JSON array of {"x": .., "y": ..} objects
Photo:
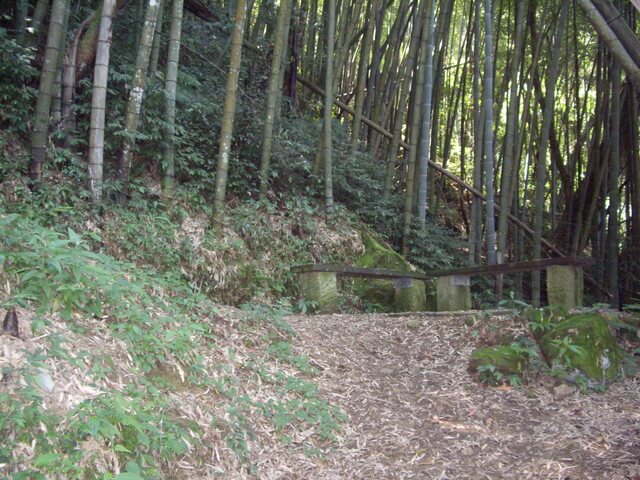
[
  {"x": 136, "y": 95},
  {"x": 390, "y": 76},
  {"x": 310, "y": 56},
  {"x": 99, "y": 101},
  {"x": 45, "y": 91},
  {"x": 375, "y": 86},
  {"x": 226, "y": 132},
  {"x": 170, "y": 86},
  {"x": 279, "y": 49}
]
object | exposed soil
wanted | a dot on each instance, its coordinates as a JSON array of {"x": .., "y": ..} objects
[{"x": 415, "y": 412}]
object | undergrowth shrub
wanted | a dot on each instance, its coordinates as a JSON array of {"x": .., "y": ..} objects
[
  {"x": 17, "y": 74},
  {"x": 435, "y": 247},
  {"x": 132, "y": 431},
  {"x": 59, "y": 273},
  {"x": 162, "y": 322}
]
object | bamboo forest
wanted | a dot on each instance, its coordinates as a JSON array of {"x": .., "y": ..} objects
[{"x": 319, "y": 239}]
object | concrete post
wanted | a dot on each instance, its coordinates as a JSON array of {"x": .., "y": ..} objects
[
  {"x": 454, "y": 293},
  {"x": 565, "y": 285},
  {"x": 322, "y": 288},
  {"x": 410, "y": 295}
]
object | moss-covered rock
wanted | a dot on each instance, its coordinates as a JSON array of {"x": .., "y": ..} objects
[
  {"x": 584, "y": 342},
  {"x": 506, "y": 360},
  {"x": 379, "y": 292}
]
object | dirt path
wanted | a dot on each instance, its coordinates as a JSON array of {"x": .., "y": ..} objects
[{"x": 415, "y": 412}]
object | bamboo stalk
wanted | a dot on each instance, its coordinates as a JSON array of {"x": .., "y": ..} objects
[{"x": 611, "y": 40}]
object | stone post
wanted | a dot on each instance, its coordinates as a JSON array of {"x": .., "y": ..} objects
[
  {"x": 322, "y": 288},
  {"x": 565, "y": 285},
  {"x": 454, "y": 293},
  {"x": 410, "y": 295}
]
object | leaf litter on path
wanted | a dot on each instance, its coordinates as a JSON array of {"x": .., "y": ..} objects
[{"x": 416, "y": 413}]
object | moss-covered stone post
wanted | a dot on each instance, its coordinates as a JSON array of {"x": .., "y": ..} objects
[
  {"x": 322, "y": 288},
  {"x": 410, "y": 295},
  {"x": 565, "y": 285},
  {"x": 454, "y": 293}
]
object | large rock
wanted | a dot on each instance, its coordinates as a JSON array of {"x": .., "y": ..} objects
[
  {"x": 597, "y": 356},
  {"x": 382, "y": 293}
]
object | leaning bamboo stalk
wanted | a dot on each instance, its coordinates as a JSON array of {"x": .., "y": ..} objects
[
  {"x": 620, "y": 27},
  {"x": 552, "y": 248},
  {"x": 414, "y": 134},
  {"x": 506, "y": 190},
  {"x": 363, "y": 69},
  {"x": 614, "y": 45},
  {"x": 446, "y": 173}
]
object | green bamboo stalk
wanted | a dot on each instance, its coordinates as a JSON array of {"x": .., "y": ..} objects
[
  {"x": 136, "y": 95},
  {"x": 279, "y": 49},
  {"x": 224, "y": 152},
  {"x": 45, "y": 91},
  {"x": 425, "y": 134},
  {"x": 170, "y": 86},
  {"x": 328, "y": 106},
  {"x": 99, "y": 101},
  {"x": 541, "y": 161}
]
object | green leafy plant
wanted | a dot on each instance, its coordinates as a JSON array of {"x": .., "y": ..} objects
[
  {"x": 513, "y": 303},
  {"x": 539, "y": 321},
  {"x": 565, "y": 347},
  {"x": 305, "y": 306},
  {"x": 490, "y": 375}
]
